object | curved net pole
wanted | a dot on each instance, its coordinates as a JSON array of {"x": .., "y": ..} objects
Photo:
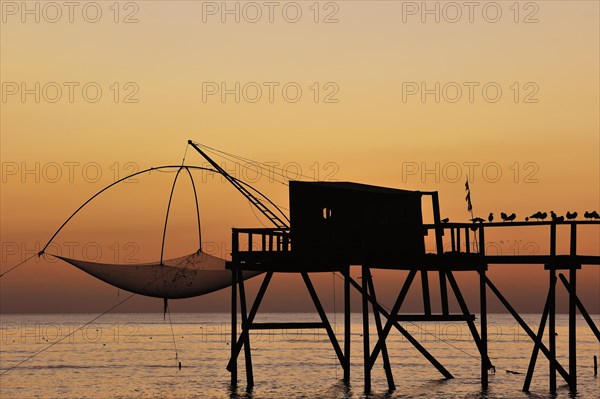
[
  {"x": 111, "y": 185},
  {"x": 197, "y": 208},
  {"x": 162, "y": 247}
]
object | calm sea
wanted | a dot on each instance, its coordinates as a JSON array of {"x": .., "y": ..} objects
[{"x": 133, "y": 356}]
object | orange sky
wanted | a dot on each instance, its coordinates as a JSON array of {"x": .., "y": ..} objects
[{"x": 537, "y": 146}]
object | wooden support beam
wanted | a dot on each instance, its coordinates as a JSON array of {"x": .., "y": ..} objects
[
  {"x": 347, "y": 325},
  {"x": 573, "y": 314},
  {"x": 467, "y": 241},
  {"x": 285, "y": 326},
  {"x": 384, "y": 353},
  {"x": 470, "y": 323},
  {"x": 581, "y": 308},
  {"x": 485, "y": 362},
  {"x": 232, "y": 367},
  {"x": 536, "y": 347},
  {"x": 552, "y": 312},
  {"x": 395, "y": 309},
  {"x": 247, "y": 351},
  {"x": 444, "y": 292},
  {"x": 434, "y": 317},
  {"x": 365, "y": 317},
  {"x": 235, "y": 350},
  {"x": 573, "y": 330},
  {"x": 528, "y": 330},
  {"x": 439, "y": 229},
  {"x": 321, "y": 312},
  {"x": 406, "y": 334},
  {"x": 426, "y": 298}
]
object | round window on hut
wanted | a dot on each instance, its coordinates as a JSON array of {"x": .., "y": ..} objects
[{"x": 326, "y": 213}]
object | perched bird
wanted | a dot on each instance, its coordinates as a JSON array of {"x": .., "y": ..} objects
[
  {"x": 571, "y": 215},
  {"x": 445, "y": 220},
  {"x": 553, "y": 216},
  {"x": 591, "y": 215},
  {"x": 537, "y": 215},
  {"x": 508, "y": 218},
  {"x": 491, "y": 217},
  {"x": 527, "y": 218},
  {"x": 560, "y": 218},
  {"x": 543, "y": 216},
  {"x": 477, "y": 220}
]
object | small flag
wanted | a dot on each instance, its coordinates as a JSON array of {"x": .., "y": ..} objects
[{"x": 468, "y": 197}]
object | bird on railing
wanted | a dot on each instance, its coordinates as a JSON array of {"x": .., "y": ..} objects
[
  {"x": 556, "y": 218},
  {"x": 539, "y": 215},
  {"x": 491, "y": 217},
  {"x": 477, "y": 220},
  {"x": 508, "y": 218},
  {"x": 591, "y": 215},
  {"x": 446, "y": 220},
  {"x": 571, "y": 215}
]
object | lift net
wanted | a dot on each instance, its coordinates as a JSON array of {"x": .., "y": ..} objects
[{"x": 184, "y": 277}]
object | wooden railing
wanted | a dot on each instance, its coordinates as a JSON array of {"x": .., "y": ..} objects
[
  {"x": 260, "y": 240},
  {"x": 269, "y": 240}
]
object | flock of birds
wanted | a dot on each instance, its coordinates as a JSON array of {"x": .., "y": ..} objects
[{"x": 539, "y": 215}]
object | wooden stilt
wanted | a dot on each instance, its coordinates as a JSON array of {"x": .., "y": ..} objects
[
  {"x": 444, "y": 293},
  {"x": 426, "y": 298},
  {"x": 552, "y": 312},
  {"x": 581, "y": 308},
  {"x": 536, "y": 348},
  {"x": 237, "y": 346},
  {"x": 485, "y": 363},
  {"x": 365, "y": 315},
  {"x": 347, "y": 325},
  {"x": 573, "y": 314},
  {"x": 323, "y": 316},
  {"x": 395, "y": 309},
  {"x": 232, "y": 367},
  {"x": 528, "y": 330},
  {"x": 405, "y": 333},
  {"x": 470, "y": 323},
  {"x": 552, "y": 328},
  {"x": 384, "y": 353},
  {"x": 573, "y": 330},
  {"x": 247, "y": 351}
]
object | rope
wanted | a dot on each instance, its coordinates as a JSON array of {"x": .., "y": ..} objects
[
  {"x": 177, "y": 362},
  {"x": 261, "y": 165},
  {"x": 233, "y": 158},
  {"x": 185, "y": 153},
  {"x": 68, "y": 335},
  {"x": 21, "y": 263}
]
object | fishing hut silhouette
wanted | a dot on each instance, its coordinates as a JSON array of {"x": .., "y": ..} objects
[{"x": 334, "y": 226}]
